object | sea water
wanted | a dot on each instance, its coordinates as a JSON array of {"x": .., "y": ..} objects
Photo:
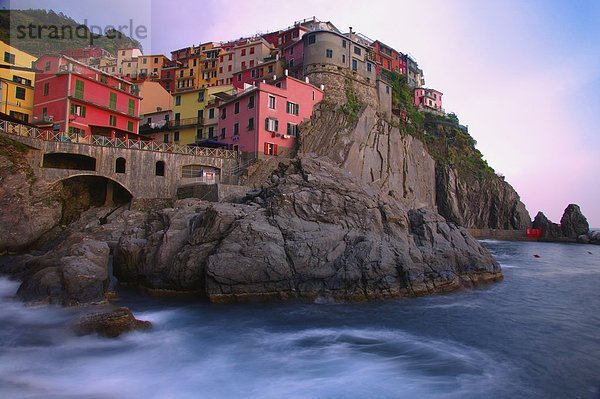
[{"x": 536, "y": 334}]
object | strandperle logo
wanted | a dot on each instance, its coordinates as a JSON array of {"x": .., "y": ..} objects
[{"x": 82, "y": 31}]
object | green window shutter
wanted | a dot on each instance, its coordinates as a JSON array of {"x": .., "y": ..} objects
[
  {"x": 129, "y": 125},
  {"x": 266, "y": 123},
  {"x": 83, "y": 112},
  {"x": 72, "y": 108},
  {"x": 131, "y": 107},
  {"x": 112, "y": 102},
  {"x": 79, "y": 88},
  {"x": 276, "y": 125}
]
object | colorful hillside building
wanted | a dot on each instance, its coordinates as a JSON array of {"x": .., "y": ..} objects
[
  {"x": 17, "y": 79},
  {"x": 429, "y": 100},
  {"x": 83, "y": 100},
  {"x": 262, "y": 120}
]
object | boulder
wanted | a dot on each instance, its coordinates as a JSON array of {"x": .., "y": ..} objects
[
  {"x": 110, "y": 324},
  {"x": 573, "y": 223},
  {"x": 78, "y": 277},
  {"x": 549, "y": 230}
]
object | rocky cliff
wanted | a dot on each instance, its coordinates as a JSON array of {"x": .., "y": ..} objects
[{"x": 313, "y": 232}]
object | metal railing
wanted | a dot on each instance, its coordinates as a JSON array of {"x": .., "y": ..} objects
[{"x": 17, "y": 129}]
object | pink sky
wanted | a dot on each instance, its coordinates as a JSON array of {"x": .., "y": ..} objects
[{"x": 523, "y": 74}]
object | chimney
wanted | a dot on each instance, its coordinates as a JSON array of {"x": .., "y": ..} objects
[
  {"x": 285, "y": 72},
  {"x": 322, "y": 87},
  {"x": 306, "y": 79},
  {"x": 350, "y": 30},
  {"x": 274, "y": 77}
]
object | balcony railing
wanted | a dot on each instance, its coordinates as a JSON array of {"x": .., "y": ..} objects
[
  {"x": 185, "y": 122},
  {"x": 17, "y": 129},
  {"x": 121, "y": 106}
]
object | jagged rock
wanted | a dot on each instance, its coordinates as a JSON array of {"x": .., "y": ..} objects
[
  {"x": 573, "y": 223},
  {"x": 594, "y": 237},
  {"x": 77, "y": 278},
  {"x": 320, "y": 233},
  {"x": 549, "y": 230},
  {"x": 110, "y": 324},
  {"x": 479, "y": 203}
]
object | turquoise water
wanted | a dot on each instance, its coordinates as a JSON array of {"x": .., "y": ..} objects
[{"x": 533, "y": 335}]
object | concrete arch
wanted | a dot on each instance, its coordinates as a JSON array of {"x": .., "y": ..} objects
[{"x": 60, "y": 179}]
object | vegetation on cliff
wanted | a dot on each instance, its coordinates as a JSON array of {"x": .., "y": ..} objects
[{"x": 22, "y": 28}]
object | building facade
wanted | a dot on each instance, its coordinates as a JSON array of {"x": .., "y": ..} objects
[
  {"x": 83, "y": 100},
  {"x": 263, "y": 120},
  {"x": 17, "y": 79},
  {"x": 151, "y": 66},
  {"x": 429, "y": 100}
]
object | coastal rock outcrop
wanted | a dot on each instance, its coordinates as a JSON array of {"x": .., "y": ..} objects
[
  {"x": 549, "y": 230},
  {"x": 28, "y": 209},
  {"x": 79, "y": 277},
  {"x": 573, "y": 224},
  {"x": 314, "y": 232}
]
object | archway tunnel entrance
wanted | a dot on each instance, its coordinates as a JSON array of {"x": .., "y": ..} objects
[
  {"x": 80, "y": 193},
  {"x": 57, "y": 160}
]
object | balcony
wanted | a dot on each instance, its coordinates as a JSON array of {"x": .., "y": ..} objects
[
  {"x": 121, "y": 106},
  {"x": 185, "y": 122}
]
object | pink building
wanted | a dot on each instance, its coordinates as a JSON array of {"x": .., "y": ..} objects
[
  {"x": 428, "y": 100},
  {"x": 293, "y": 55},
  {"x": 82, "y": 100},
  {"x": 263, "y": 120},
  {"x": 263, "y": 71}
]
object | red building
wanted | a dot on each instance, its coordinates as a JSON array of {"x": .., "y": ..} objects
[
  {"x": 387, "y": 58},
  {"x": 83, "y": 100},
  {"x": 88, "y": 55},
  {"x": 264, "y": 120},
  {"x": 167, "y": 75}
]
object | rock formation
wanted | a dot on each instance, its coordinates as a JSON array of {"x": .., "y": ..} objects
[
  {"x": 109, "y": 324},
  {"x": 573, "y": 224},
  {"x": 549, "y": 230},
  {"x": 315, "y": 232}
]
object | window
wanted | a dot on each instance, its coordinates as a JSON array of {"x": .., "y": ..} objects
[
  {"x": 211, "y": 132},
  {"x": 369, "y": 67},
  {"x": 156, "y": 60},
  {"x": 292, "y": 108},
  {"x": 357, "y": 50},
  {"x": 9, "y": 57},
  {"x": 311, "y": 39},
  {"x": 112, "y": 101},
  {"x": 270, "y": 149},
  {"x": 177, "y": 100},
  {"x": 354, "y": 65},
  {"x": 387, "y": 89},
  {"x": 224, "y": 113},
  {"x": 292, "y": 129},
  {"x": 20, "y": 93},
  {"x": 120, "y": 165},
  {"x": 200, "y": 115},
  {"x": 220, "y": 69},
  {"x": 20, "y": 80},
  {"x": 344, "y": 59},
  {"x": 272, "y": 102},
  {"x": 292, "y": 63},
  {"x": 251, "y": 50},
  {"x": 78, "y": 89},
  {"x": 251, "y": 101},
  {"x": 236, "y": 107},
  {"x": 78, "y": 110},
  {"x": 236, "y": 129},
  {"x": 270, "y": 68},
  {"x": 243, "y": 64},
  {"x": 130, "y": 126},
  {"x": 243, "y": 52},
  {"x": 291, "y": 51},
  {"x": 329, "y": 53},
  {"x": 44, "y": 113},
  {"x": 168, "y": 74},
  {"x": 230, "y": 57},
  {"x": 159, "y": 169},
  {"x": 112, "y": 120},
  {"x": 144, "y": 60},
  {"x": 223, "y": 133},
  {"x": 239, "y": 77},
  {"x": 251, "y": 124},
  {"x": 166, "y": 138},
  {"x": 176, "y": 136},
  {"x": 271, "y": 125},
  {"x": 211, "y": 113},
  {"x": 191, "y": 72},
  {"x": 199, "y": 133},
  {"x": 191, "y": 171},
  {"x": 201, "y": 96},
  {"x": 48, "y": 65},
  {"x": 131, "y": 107},
  {"x": 343, "y": 43}
]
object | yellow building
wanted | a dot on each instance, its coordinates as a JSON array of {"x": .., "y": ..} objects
[
  {"x": 16, "y": 82},
  {"x": 209, "y": 64},
  {"x": 190, "y": 121},
  {"x": 151, "y": 65}
]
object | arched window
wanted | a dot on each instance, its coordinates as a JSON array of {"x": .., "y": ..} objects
[
  {"x": 160, "y": 168},
  {"x": 120, "y": 165}
]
